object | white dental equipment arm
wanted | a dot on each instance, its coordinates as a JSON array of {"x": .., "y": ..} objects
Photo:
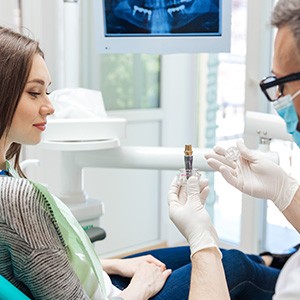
[
  {"x": 113, "y": 156},
  {"x": 109, "y": 154},
  {"x": 131, "y": 157},
  {"x": 266, "y": 126}
]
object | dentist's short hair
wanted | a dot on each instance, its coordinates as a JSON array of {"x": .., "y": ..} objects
[{"x": 287, "y": 12}]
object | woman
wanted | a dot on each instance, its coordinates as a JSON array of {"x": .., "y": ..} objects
[
  {"x": 36, "y": 254},
  {"x": 43, "y": 250}
]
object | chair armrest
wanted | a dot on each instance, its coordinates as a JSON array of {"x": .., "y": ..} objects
[{"x": 95, "y": 233}]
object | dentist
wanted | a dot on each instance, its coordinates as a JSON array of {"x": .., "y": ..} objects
[{"x": 252, "y": 174}]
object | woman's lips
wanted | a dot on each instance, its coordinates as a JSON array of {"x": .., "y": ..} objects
[{"x": 40, "y": 126}]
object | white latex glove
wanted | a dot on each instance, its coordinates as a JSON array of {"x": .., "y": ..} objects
[
  {"x": 187, "y": 211},
  {"x": 255, "y": 174}
]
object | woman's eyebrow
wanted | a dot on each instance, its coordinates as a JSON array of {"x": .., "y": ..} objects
[{"x": 39, "y": 81}]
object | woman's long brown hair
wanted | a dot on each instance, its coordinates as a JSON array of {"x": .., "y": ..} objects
[{"x": 16, "y": 56}]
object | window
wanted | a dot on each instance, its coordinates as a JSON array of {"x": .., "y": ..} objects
[
  {"x": 130, "y": 81},
  {"x": 127, "y": 81},
  {"x": 229, "y": 68}
]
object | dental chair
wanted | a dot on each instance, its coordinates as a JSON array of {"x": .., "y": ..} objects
[
  {"x": 95, "y": 233},
  {"x": 8, "y": 291}
]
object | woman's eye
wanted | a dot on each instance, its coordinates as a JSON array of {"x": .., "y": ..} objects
[{"x": 34, "y": 94}]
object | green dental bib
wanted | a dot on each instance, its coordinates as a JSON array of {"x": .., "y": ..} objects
[{"x": 81, "y": 252}]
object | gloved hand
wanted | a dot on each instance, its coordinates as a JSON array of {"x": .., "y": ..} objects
[
  {"x": 187, "y": 211},
  {"x": 255, "y": 174}
]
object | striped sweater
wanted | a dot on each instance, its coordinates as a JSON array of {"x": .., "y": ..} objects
[{"x": 32, "y": 254}]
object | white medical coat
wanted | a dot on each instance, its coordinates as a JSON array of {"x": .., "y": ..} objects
[{"x": 288, "y": 284}]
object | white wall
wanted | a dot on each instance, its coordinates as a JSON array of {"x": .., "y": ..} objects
[
  {"x": 45, "y": 19},
  {"x": 42, "y": 20},
  {"x": 9, "y": 13}
]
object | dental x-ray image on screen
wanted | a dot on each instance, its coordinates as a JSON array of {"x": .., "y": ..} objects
[
  {"x": 162, "y": 26},
  {"x": 162, "y": 17}
]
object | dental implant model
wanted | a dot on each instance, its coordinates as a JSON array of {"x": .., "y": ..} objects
[
  {"x": 188, "y": 171},
  {"x": 188, "y": 160},
  {"x": 232, "y": 153}
]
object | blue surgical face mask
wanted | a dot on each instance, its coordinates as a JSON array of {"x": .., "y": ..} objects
[{"x": 286, "y": 110}]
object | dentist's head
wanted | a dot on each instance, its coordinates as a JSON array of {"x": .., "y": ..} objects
[
  {"x": 286, "y": 60},
  {"x": 283, "y": 87}
]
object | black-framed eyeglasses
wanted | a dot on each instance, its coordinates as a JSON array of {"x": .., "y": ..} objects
[{"x": 273, "y": 87}]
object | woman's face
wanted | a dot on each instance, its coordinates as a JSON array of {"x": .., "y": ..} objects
[{"x": 30, "y": 118}]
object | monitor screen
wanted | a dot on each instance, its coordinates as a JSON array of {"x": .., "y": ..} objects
[{"x": 170, "y": 26}]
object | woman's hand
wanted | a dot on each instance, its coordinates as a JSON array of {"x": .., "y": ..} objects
[
  {"x": 127, "y": 267},
  {"x": 147, "y": 281}
]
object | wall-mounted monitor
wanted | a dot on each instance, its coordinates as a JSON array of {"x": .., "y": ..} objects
[{"x": 162, "y": 26}]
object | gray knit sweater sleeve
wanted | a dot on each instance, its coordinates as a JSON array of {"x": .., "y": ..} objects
[{"x": 32, "y": 254}]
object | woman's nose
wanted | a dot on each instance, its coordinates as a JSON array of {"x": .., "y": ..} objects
[
  {"x": 47, "y": 108},
  {"x": 51, "y": 109}
]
